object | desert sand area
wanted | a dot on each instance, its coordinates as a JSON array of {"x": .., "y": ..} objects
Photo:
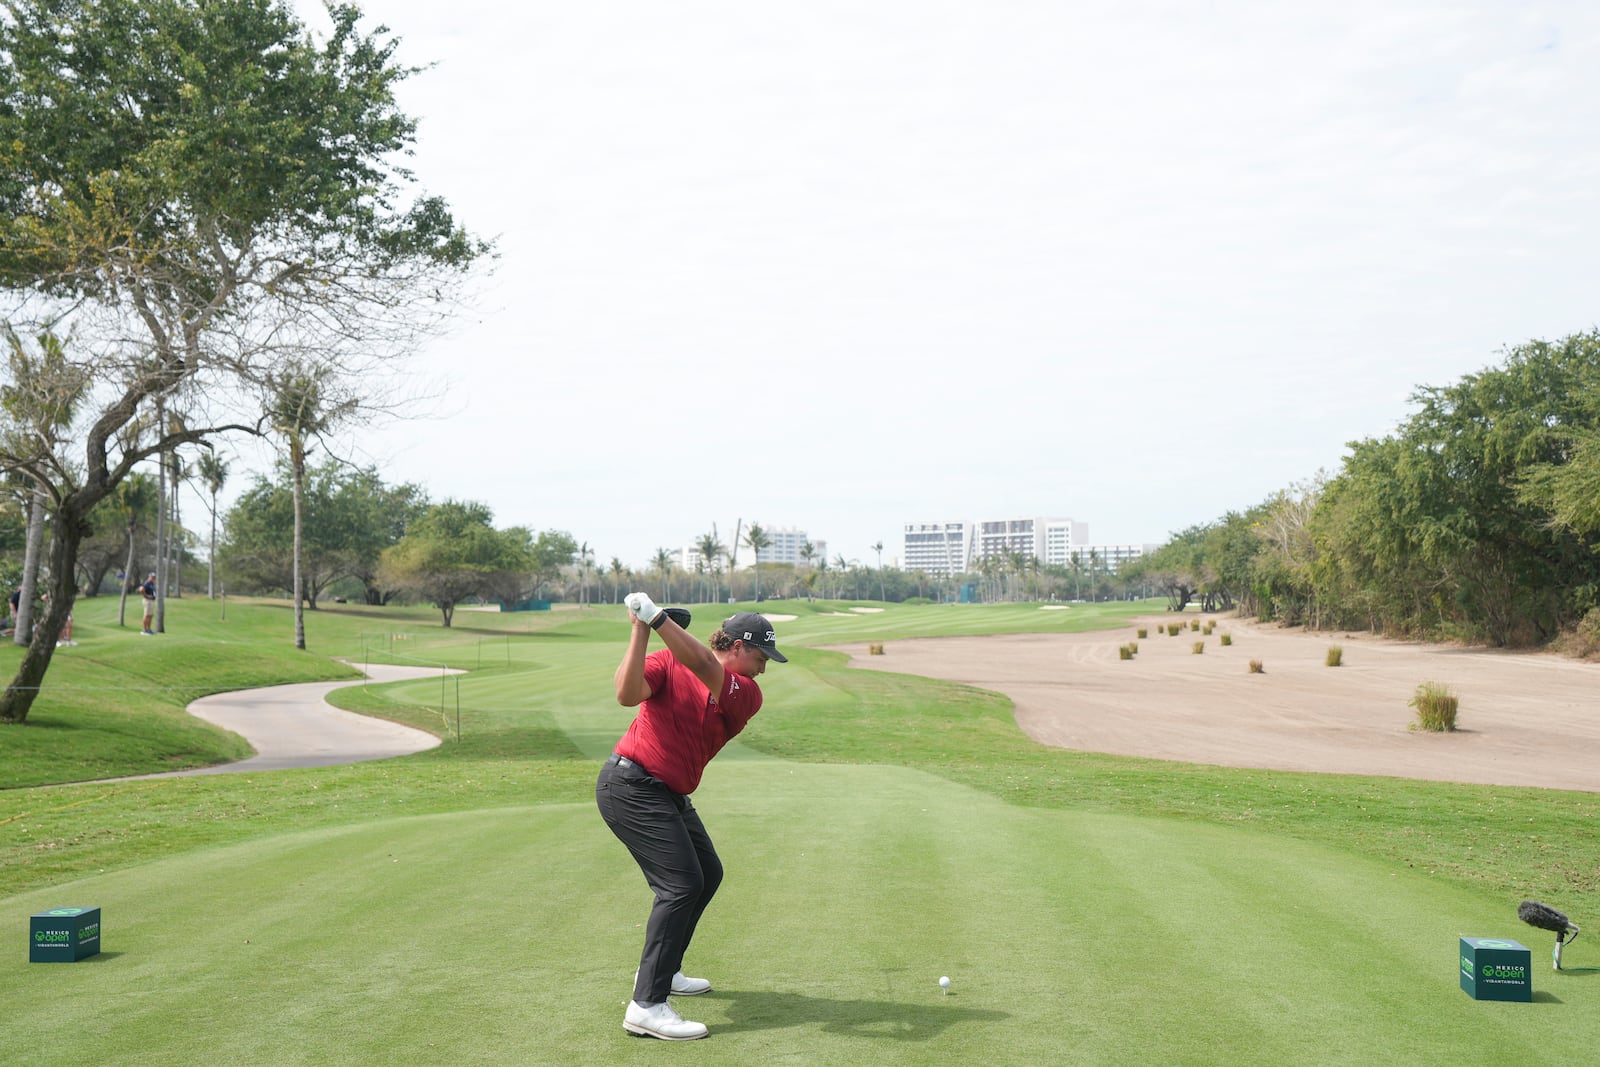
[{"x": 1525, "y": 719}]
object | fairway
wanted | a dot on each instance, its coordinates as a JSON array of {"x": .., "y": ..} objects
[
  {"x": 467, "y": 905},
  {"x": 509, "y": 936}
]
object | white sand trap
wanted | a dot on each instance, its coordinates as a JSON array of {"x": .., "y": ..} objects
[
  {"x": 867, "y": 611},
  {"x": 781, "y": 618},
  {"x": 846, "y": 614},
  {"x": 1055, "y": 607},
  {"x": 1527, "y": 718}
]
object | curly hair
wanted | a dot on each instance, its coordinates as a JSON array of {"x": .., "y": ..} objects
[{"x": 722, "y": 641}]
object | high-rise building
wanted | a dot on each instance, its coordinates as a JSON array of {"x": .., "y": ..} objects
[
  {"x": 785, "y": 545},
  {"x": 1106, "y": 559},
  {"x": 945, "y": 548},
  {"x": 940, "y": 549}
]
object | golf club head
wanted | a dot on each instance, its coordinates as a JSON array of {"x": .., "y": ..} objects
[{"x": 680, "y": 616}]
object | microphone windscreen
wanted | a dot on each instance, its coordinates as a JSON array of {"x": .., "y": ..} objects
[{"x": 1545, "y": 918}]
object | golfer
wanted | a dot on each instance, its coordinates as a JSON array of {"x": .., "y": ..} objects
[{"x": 691, "y": 700}]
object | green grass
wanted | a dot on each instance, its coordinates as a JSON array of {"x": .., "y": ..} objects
[{"x": 466, "y": 905}]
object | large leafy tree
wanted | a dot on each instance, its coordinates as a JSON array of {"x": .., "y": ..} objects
[
  {"x": 194, "y": 188},
  {"x": 349, "y": 517},
  {"x": 453, "y": 552},
  {"x": 1456, "y": 522},
  {"x": 547, "y": 555}
]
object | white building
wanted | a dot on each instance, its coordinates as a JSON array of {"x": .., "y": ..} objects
[
  {"x": 1106, "y": 559},
  {"x": 1063, "y": 537},
  {"x": 1047, "y": 540},
  {"x": 786, "y": 545},
  {"x": 940, "y": 549}
]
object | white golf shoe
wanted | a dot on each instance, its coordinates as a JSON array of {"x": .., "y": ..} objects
[
  {"x": 659, "y": 1020},
  {"x": 689, "y": 987},
  {"x": 684, "y": 986}
]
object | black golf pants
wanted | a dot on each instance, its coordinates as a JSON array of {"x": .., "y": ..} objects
[{"x": 669, "y": 842}]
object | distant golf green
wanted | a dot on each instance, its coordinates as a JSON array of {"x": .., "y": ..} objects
[{"x": 466, "y": 905}]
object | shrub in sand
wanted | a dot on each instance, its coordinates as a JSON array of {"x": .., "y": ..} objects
[
  {"x": 1174, "y": 629},
  {"x": 1208, "y": 627},
  {"x": 1125, "y": 652},
  {"x": 1143, "y": 631},
  {"x": 1199, "y": 647},
  {"x": 1335, "y": 656},
  {"x": 1256, "y": 668},
  {"x": 1436, "y": 707},
  {"x": 1226, "y": 639},
  {"x": 1194, "y": 624}
]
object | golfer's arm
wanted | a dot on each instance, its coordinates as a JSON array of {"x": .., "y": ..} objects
[
  {"x": 689, "y": 651},
  {"x": 632, "y": 689}
]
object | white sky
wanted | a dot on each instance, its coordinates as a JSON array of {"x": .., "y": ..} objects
[{"x": 843, "y": 266}]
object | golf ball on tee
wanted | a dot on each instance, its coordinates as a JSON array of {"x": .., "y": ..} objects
[{"x": 944, "y": 982}]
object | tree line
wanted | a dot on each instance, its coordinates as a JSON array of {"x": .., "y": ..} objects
[{"x": 1476, "y": 519}]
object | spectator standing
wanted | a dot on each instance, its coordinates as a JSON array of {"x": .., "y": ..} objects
[{"x": 148, "y": 591}]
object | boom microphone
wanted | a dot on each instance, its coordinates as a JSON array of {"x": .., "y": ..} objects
[{"x": 1547, "y": 918}]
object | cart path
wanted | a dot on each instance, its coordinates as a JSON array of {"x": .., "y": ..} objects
[{"x": 295, "y": 726}]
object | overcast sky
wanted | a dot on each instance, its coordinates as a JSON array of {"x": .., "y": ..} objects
[{"x": 844, "y": 266}]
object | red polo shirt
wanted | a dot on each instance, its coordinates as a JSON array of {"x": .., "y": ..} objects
[{"x": 683, "y": 725}]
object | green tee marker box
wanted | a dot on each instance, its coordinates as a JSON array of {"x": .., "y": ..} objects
[
  {"x": 63, "y": 935},
  {"x": 1495, "y": 969}
]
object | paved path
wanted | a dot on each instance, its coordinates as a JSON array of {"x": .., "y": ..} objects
[{"x": 295, "y": 726}]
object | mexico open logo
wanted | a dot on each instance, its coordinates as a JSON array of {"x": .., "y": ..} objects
[
  {"x": 63, "y": 935},
  {"x": 1495, "y": 969}
]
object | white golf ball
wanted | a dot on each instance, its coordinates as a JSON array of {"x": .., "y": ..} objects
[{"x": 944, "y": 982}]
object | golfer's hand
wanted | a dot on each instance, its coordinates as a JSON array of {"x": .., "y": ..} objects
[{"x": 642, "y": 607}]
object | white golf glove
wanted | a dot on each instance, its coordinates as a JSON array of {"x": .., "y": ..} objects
[{"x": 643, "y": 608}]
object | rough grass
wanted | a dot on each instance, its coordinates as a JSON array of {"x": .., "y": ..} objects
[{"x": 1436, "y": 707}]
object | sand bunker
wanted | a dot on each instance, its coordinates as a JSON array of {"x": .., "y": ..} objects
[{"x": 1530, "y": 719}]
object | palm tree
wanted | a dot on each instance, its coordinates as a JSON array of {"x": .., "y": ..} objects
[
  {"x": 133, "y": 497},
  {"x": 878, "y": 548},
  {"x": 300, "y": 410},
  {"x": 585, "y": 564},
  {"x": 42, "y": 410},
  {"x": 177, "y": 472},
  {"x": 41, "y": 413},
  {"x": 663, "y": 564},
  {"x": 711, "y": 551},
  {"x": 808, "y": 552},
  {"x": 757, "y": 539},
  {"x": 213, "y": 471},
  {"x": 617, "y": 571},
  {"x": 32, "y": 544},
  {"x": 842, "y": 567}
]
